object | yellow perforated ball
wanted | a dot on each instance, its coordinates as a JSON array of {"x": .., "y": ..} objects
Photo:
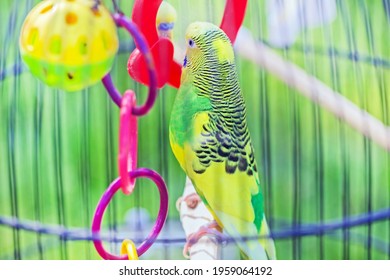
[{"x": 69, "y": 44}]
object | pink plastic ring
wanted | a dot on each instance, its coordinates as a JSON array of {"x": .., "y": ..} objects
[
  {"x": 128, "y": 142},
  {"x": 105, "y": 200}
]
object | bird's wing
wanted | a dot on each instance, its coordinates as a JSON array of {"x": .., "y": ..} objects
[{"x": 228, "y": 186}]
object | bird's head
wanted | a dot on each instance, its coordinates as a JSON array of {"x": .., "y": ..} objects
[{"x": 207, "y": 45}]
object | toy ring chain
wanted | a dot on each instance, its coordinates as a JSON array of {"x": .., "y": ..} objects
[{"x": 127, "y": 158}]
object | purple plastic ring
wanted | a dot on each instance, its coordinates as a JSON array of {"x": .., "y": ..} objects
[
  {"x": 105, "y": 200},
  {"x": 122, "y": 21}
]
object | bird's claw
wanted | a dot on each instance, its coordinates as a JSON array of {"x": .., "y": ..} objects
[
  {"x": 212, "y": 229},
  {"x": 192, "y": 200}
]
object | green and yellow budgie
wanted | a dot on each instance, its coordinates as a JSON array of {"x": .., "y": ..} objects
[{"x": 210, "y": 139}]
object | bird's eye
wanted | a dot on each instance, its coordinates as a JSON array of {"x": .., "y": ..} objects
[{"x": 191, "y": 43}]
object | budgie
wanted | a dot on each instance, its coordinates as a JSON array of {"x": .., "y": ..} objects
[
  {"x": 165, "y": 20},
  {"x": 210, "y": 139}
]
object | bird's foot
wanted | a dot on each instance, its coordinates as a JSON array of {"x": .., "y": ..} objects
[
  {"x": 212, "y": 229},
  {"x": 192, "y": 200}
]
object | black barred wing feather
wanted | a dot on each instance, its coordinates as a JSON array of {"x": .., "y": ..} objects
[{"x": 225, "y": 139}]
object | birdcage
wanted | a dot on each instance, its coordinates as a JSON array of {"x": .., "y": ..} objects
[{"x": 314, "y": 76}]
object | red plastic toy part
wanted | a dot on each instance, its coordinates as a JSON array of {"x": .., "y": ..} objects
[
  {"x": 168, "y": 70},
  {"x": 233, "y": 17},
  {"x": 166, "y": 67}
]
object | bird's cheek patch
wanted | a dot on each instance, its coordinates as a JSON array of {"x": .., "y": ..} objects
[{"x": 223, "y": 50}]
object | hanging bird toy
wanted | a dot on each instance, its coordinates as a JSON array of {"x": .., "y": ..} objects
[{"x": 69, "y": 45}]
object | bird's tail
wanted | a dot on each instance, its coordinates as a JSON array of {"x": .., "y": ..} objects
[
  {"x": 262, "y": 248},
  {"x": 267, "y": 243}
]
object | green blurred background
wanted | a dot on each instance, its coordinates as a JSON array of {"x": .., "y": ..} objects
[{"x": 58, "y": 150}]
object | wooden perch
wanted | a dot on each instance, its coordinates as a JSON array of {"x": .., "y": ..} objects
[
  {"x": 312, "y": 88},
  {"x": 207, "y": 248}
]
